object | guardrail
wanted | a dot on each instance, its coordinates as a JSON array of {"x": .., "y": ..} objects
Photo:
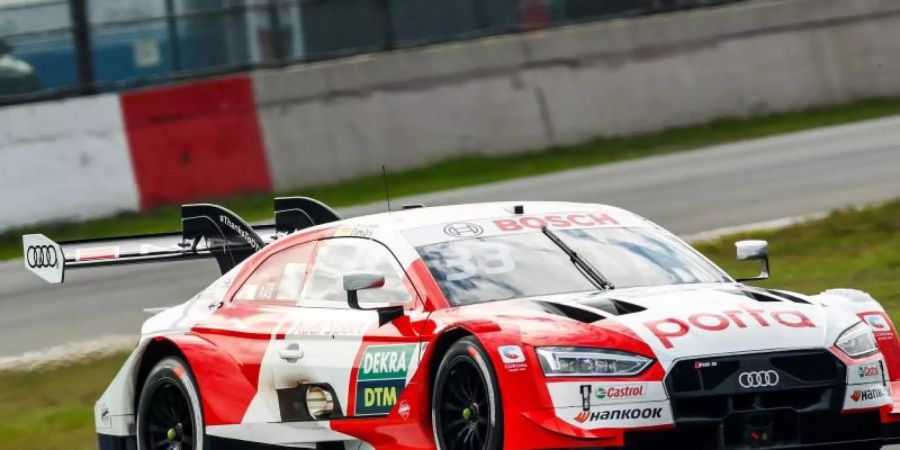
[{"x": 60, "y": 48}]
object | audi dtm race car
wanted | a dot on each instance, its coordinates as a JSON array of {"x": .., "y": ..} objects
[{"x": 530, "y": 325}]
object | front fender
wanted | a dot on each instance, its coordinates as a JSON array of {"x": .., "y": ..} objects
[{"x": 870, "y": 311}]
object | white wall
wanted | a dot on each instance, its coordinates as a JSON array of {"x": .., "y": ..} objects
[
  {"x": 333, "y": 120},
  {"x": 66, "y": 160}
]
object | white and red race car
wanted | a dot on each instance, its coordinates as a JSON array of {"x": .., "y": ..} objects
[{"x": 530, "y": 325}]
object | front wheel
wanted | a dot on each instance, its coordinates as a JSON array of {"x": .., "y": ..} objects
[
  {"x": 466, "y": 412},
  {"x": 169, "y": 413}
]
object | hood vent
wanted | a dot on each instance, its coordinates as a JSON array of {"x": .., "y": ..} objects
[
  {"x": 565, "y": 310},
  {"x": 766, "y": 295},
  {"x": 788, "y": 296},
  {"x": 613, "y": 306},
  {"x": 756, "y": 295}
]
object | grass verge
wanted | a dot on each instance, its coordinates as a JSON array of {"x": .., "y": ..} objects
[
  {"x": 52, "y": 409},
  {"x": 474, "y": 169},
  {"x": 848, "y": 249}
]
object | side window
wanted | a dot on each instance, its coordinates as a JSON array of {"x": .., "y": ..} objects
[
  {"x": 279, "y": 278},
  {"x": 339, "y": 256}
]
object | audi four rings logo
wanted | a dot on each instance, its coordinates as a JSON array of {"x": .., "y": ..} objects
[
  {"x": 758, "y": 379},
  {"x": 41, "y": 256}
]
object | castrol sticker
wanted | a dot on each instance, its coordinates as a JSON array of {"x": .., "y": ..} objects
[
  {"x": 564, "y": 394},
  {"x": 867, "y": 372}
]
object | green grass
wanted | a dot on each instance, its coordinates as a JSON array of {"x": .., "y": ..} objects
[
  {"x": 474, "y": 169},
  {"x": 52, "y": 409},
  {"x": 849, "y": 249}
]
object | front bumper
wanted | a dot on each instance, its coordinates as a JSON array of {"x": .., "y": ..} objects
[{"x": 818, "y": 401}]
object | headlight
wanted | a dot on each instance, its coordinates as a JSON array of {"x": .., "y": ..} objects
[
  {"x": 590, "y": 362},
  {"x": 857, "y": 341}
]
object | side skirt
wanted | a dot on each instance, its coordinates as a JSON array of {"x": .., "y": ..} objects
[
  {"x": 107, "y": 442},
  {"x": 220, "y": 443}
]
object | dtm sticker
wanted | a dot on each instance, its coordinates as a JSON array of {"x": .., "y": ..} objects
[
  {"x": 382, "y": 377},
  {"x": 513, "y": 358},
  {"x": 867, "y": 396},
  {"x": 618, "y": 416}
]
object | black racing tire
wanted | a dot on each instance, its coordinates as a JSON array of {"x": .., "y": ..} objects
[
  {"x": 466, "y": 410},
  {"x": 170, "y": 416}
]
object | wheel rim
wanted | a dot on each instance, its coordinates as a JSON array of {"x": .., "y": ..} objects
[
  {"x": 168, "y": 418},
  {"x": 465, "y": 412}
]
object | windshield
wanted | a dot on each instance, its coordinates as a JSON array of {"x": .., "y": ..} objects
[{"x": 488, "y": 268}]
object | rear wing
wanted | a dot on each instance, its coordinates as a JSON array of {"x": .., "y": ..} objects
[{"x": 207, "y": 231}]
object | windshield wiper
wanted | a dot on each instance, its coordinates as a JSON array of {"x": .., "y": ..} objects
[{"x": 593, "y": 274}]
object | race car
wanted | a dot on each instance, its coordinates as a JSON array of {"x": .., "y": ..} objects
[{"x": 516, "y": 325}]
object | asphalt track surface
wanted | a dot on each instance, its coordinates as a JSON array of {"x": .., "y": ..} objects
[{"x": 716, "y": 187}]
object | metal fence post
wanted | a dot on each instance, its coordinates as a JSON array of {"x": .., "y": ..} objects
[
  {"x": 81, "y": 37},
  {"x": 275, "y": 32},
  {"x": 174, "y": 44},
  {"x": 387, "y": 23}
]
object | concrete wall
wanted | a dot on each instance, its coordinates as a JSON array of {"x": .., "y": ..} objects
[
  {"x": 64, "y": 161},
  {"x": 333, "y": 120},
  {"x": 97, "y": 156},
  {"x": 319, "y": 123}
]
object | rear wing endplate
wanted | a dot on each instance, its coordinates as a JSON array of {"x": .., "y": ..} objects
[{"x": 207, "y": 231}]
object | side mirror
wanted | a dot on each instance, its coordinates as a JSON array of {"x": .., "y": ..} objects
[
  {"x": 754, "y": 250},
  {"x": 362, "y": 280},
  {"x": 355, "y": 282}
]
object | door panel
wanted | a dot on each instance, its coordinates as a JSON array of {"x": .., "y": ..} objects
[
  {"x": 334, "y": 343},
  {"x": 244, "y": 332},
  {"x": 247, "y": 326},
  {"x": 366, "y": 365}
]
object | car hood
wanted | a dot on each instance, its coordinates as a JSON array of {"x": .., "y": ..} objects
[{"x": 678, "y": 322}]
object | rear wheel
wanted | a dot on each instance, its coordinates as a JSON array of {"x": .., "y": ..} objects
[
  {"x": 169, "y": 413},
  {"x": 466, "y": 411}
]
